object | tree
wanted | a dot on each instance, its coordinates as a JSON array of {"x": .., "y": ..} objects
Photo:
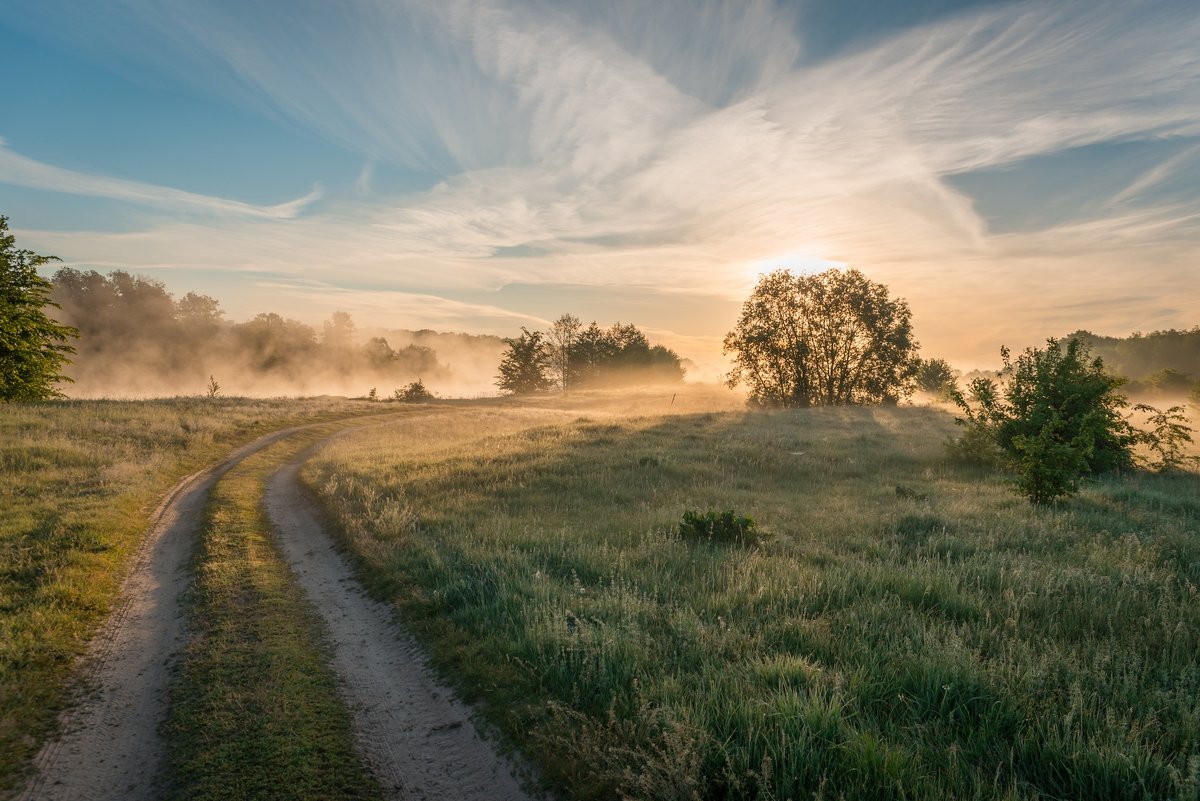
[
  {"x": 561, "y": 340},
  {"x": 33, "y": 347},
  {"x": 592, "y": 351},
  {"x": 834, "y": 338},
  {"x": 936, "y": 377},
  {"x": 524, "y": 366},
  {"x": 378, "y": 353},
  {"x": 339, "y": 330},
  {"x": 1058, "y": 417}
]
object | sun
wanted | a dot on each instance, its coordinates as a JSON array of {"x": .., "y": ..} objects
[{"x": 798, "y": 261}]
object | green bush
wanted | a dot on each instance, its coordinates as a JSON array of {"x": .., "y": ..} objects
[
  {"x": 1057, "y": 418},
  {"x": 725, "y": 526}
]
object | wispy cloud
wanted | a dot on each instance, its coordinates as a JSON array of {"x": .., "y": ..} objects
[
  {"x": 19, "y": 170},
  {"x": 1154, "y": 176}
]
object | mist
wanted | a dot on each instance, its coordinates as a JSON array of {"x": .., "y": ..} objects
[{"x": 138, "y": 341}]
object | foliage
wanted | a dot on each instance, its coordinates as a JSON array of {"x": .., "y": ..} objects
[
  {"x": 524, "y": 367},
  {"x": 214, "y": 389},
  {"x": 1167, "y": 437},
  {"x": 579, "y": 357},
  {"x": 722, "y": 526},
  {"x": 413, "y": 393},
  {"x": 33, "y": 347},
  {"x": 560, "y": 340},
  {"x": 1058, "y": 417},
  {"x": 936, "y": 377},
  {"x": 834, "y": 338}
]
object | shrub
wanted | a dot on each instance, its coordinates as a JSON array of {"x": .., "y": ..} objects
[
  {"x": 975, "y": 446},
  {"x": 936, "y": 377},
  {"x": 725, "y": 526},
  {"x": 1166, "y": 438},
  {"x": 413, "y": 393},
  {"x": 1057, "y": 418}
]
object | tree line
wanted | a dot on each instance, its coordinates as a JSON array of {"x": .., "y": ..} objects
[
  {"x": 572, "y": 356},
  {"x": 134, "y": 334},
  {"x": 1158, "y": 364}
]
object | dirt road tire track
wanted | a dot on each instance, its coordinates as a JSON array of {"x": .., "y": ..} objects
[
  {"x": 420, "y": 741},
  {"x": 109, "y": 745},
  {"x": 417, "y": 738}
]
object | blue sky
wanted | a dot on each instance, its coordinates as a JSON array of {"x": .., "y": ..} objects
[{"x": 1015, "y": 170}]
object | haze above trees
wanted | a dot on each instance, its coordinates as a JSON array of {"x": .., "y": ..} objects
[{"x": 137, "y": 339}]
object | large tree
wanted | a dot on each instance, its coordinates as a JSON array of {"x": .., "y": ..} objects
[
  {"x": 33, "y": 347},
  {"x": 524, "y": 366},
  {"x": 834, "y": 338}
]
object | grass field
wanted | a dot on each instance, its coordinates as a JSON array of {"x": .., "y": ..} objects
[
  {"x": 77, "y": 483},
  {"x": 907, "y": 628}
]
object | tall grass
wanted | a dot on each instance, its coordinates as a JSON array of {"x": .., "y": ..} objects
[
  {"x": 945, "y": 640},
  {"x": 77, "y": 483}
]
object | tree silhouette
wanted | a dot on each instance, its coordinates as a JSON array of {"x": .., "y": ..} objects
[
  {"x": 523, "y": 370},
  {"x": 835, "y": 338}
]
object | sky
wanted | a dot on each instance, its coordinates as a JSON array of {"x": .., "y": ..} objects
[{"x": 1014, "y": 170}]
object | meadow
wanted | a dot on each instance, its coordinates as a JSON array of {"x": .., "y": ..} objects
[
  {"x": 78, "y": 482},
  {"x": 904, "y": 627}
]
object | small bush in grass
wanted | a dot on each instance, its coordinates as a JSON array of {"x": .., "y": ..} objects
[
  {"x": 413, "y": 393},
  {"x": 723, "y": 526}
]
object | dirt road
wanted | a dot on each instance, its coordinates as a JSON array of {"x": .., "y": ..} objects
[{"x": 418, "y": 739}]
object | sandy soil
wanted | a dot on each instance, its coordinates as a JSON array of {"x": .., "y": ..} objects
[
  {"x": 416, "y": 736},
  {"x": 109, "y": 746}
]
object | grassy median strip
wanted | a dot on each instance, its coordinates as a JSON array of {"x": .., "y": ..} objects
[
  {"x": 254, "y": 711},
  {"x": 904, "y": 628},
  {"x": 78, "y": 481}
]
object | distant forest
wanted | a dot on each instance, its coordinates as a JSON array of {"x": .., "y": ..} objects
[
  {"x": 136, "y": 339},
  {"x": 1158, "y": 363}
]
